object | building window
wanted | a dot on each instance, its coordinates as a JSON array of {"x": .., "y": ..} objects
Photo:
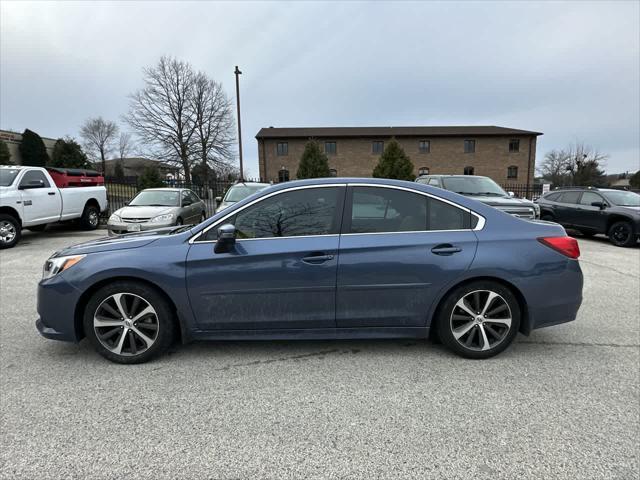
[
  {"x": 514, "y": 145},
  {"x": 469, "y": 146},
  {"x": 512, "y": 172},
  {"x": 423, "y": 171},
  {"x": 333, "y": 172},
  {"x": 377, "y": 147},
  {"x": 330, "y": 148},
  {"x": 283, "y": 149},
  {"x": 283, "y": 175},
  {"x": 424, "y": 146},
  {"x": 468, "y": 170}
]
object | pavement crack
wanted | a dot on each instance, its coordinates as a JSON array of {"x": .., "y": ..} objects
[{"x": 303, "y": 356}]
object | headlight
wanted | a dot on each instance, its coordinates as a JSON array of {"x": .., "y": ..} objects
[
  {"x": 114, "y": 219},
  {"x": 54, "y": 266},
  {"x": 167, "y": 217}
]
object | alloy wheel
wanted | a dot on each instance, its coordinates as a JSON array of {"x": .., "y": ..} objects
[
  {"x": 7, "y": 232},
  {"x": 93, "y": 218},
  {"x": 480, "y": 320},
  {"x": 126, "y": 324},
  {"x": 621, "y": 233}
]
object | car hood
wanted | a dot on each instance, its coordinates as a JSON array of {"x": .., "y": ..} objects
[
  {"x": 503, "y": 201},
  {"x": 119, "y": 242},
  {"x": 143, "y": 212}
]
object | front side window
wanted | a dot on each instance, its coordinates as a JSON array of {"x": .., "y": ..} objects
[
  {"x": 377, "y": 147},
  {"x": 589, "y": 197},
  {"x": 34, "y": 176},
  {"x": 424, "y": 146},
  {"x": 512, "y": 172},
  {"x": 309, "y": 211},
  {"x": 469, "y": 146},
  {"x": 387, "y": 210},
  {"x": 283, "y": 149},
  {"x": 514, "y": 145},
  {"x": 569, "y": 197},
  {"x": 330, "y": 148}
]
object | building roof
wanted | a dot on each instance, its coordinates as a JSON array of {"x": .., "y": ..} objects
[{"x": 444, "y": 131}]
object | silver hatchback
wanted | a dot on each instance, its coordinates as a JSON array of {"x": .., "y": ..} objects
[{"x": 156, "y": 208}]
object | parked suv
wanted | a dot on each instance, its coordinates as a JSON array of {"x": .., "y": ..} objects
[
  {"x": 484, "y": 190},
  {"x": 615, "y": 213}
]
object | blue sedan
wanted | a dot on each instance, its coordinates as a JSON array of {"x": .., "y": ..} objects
[{"x": 318, "y": 259}]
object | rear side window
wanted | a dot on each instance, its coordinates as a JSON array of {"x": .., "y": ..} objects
[
  {"x": 387, "y": 210},
  {"x": 309, "y": 211},
  {"x": 552, "y": 197},
  {"x": 569, "y": 197}
]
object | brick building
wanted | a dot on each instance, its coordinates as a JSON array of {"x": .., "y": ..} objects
[{"x": 505, "y": 154}]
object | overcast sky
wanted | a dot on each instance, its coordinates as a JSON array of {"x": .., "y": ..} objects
[{"x": 570, "y": 70}]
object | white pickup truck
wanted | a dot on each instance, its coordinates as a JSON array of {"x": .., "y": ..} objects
[{"x": 30, "y": 198}]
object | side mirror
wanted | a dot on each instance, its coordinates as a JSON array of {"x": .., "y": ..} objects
[
  {"x": 186, "y": 202},
  {"x": 31, "y": 184},
  {"x": 218, "y": 201},
  {"x": 226, "y": 238},
  {"x": 511, "y": 194},
  {"x": 600, "y": 205}
]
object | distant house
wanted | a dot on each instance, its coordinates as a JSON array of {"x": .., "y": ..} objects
[
  {"x": 621, "y": 183},
  {"x": 134, "y": 166}
]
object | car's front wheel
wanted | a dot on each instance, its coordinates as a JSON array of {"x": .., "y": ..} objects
[
  {"x": 129, "y": 322},
  {"x": 10, "y": 231},
  {"x": 479, "y": 319},
  {"x": 621, "y": 234}
]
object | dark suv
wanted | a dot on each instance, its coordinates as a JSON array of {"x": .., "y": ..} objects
[{"x": 615, "y": 213}]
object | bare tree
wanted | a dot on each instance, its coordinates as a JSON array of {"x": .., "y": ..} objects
[
  {"x": 98, "y": 136},
  {"x": 578, "y": 164},
  {"x": 125, "y": 145},
  {"x": 162, "y": 113},
  {"x": 214, "y": 124}
]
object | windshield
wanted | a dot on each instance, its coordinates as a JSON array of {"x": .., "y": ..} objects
[
  {"x": 156, "y": 198},
  {"x": 7, "y": 176},
  {"x": 238, "y": 192},
  {"x": 623, "y": 198},
  {"x": 473, "y": 186}
]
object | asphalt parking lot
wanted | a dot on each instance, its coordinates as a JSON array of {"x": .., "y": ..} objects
[{"x": 562, "y": 403}]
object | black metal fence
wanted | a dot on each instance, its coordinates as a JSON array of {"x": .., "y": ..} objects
[{"x": 522, "y": 190}]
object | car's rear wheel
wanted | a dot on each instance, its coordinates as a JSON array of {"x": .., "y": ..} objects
[
  {"x": 90, "y": 217},
  {"x": 129, "y": 322},
  {"x": 621, "y": 234},
  {"x": 479, "y": 320},
  {"x": 10, "y": 231}
]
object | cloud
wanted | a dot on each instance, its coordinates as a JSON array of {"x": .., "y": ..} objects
[{"x": 570, "y": 70}]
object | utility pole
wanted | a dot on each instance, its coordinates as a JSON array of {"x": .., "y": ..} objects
[{"x": 238, "y": 73}]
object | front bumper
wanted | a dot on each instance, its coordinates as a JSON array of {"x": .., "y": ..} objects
[
  {"x": 122, "y": 228},
  {"x": 57, "y": 300}
]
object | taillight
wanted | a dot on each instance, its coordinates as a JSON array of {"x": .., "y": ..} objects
[{"x": 565, "y": 245}]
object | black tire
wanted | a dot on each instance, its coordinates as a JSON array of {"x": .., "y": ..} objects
[
  {"x": 165, "y": 330},
  {"x": 37, "y": 228},
  {"x": 10, "y": 231},
  {"x": 90, "y": 219},
  {"x": 450, "y": 318},
  {"x": 621, "y": 234}
]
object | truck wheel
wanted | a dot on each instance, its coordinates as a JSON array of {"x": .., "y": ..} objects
[
  {"x": 621, "y": 234},
  {"x": 90, "y": 218},
  {"x": 37, "y": 228},
  {"x": 10, "y": 231}
]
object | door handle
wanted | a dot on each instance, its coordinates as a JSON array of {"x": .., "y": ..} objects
[
  {"x": 317, "y": 259},
  {"x": 445, "y": 249},
  {"x": 52, "y": 193}
]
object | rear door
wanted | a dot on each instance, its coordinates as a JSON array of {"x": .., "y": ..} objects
[
  {"x": 567, "y": 208},
  {"x": 398, "y": 248},
  {"x": 40, "y": 198},
  {"x": 281, "y": 274}
]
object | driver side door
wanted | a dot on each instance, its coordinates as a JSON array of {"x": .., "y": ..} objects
[
  {"x": 281, "y": 272},
  {"x": 41, "y": 200}
]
